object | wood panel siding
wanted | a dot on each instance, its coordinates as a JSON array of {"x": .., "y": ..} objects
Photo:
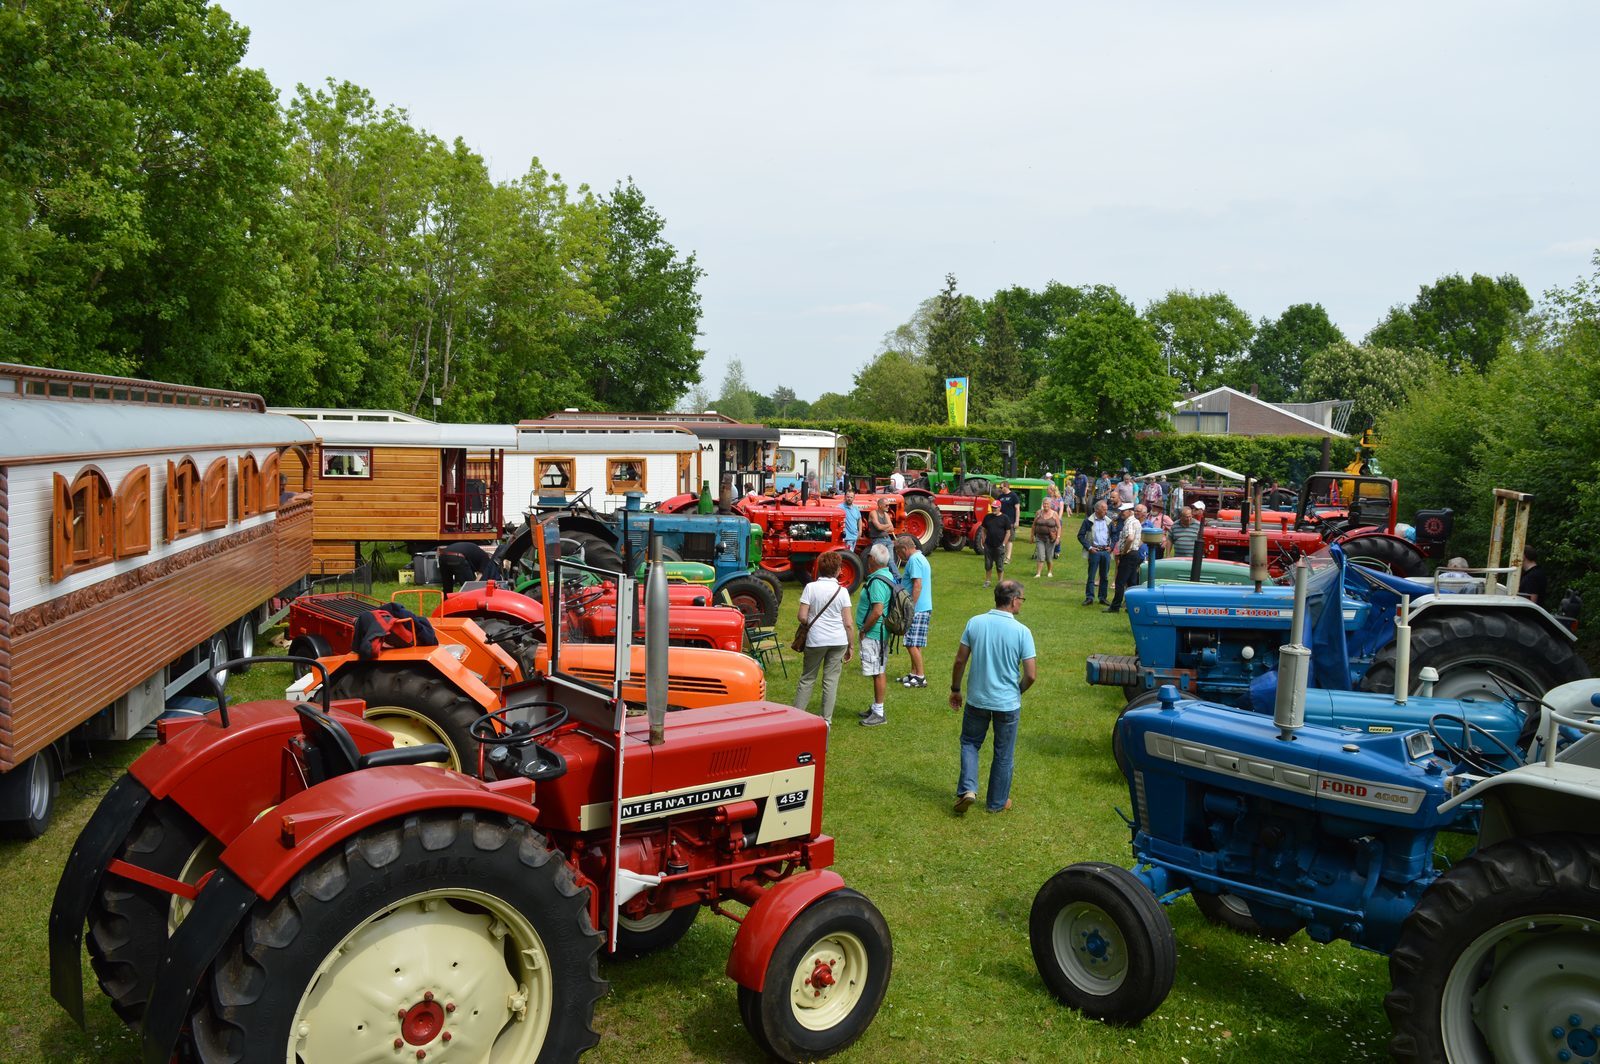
[
  {"x": 5, "y": 609},
  {"x": 72, "y": 656},
  {"x": 399, "y": 501}
]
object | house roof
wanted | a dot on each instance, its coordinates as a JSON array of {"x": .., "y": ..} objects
[
  {"x": 1226, "y": 474},
  {"x": 1235, "y": 394},
  {"x": 38, "y": 429}
]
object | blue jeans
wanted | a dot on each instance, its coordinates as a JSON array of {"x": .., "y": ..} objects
[
  {"x": 1099, "y": 562},
  {"x": 974, "y": 726},
  {"x": 894, "y": 567}
]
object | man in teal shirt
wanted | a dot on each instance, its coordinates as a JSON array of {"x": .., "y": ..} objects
[
  {"x": 1000, "y": 648},
  {"x": 917, "y": 578},
  {"x": 852, "y": 521},
  {"x": 871, "y": 609}
]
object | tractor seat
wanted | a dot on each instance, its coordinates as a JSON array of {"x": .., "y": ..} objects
[{"x": 330, "y": 752}]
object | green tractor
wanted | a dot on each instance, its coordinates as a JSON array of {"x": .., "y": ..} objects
[{"x": 927, "y": 469}]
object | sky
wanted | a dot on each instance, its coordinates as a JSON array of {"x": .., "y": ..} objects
[{"x": 828, "y": 163}]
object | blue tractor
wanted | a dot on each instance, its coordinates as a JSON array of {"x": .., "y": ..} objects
[
  {"x": 727, "y": 544},
  {"x": 1289, "y": 826}
]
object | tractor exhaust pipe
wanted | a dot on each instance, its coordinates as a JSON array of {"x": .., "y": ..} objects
[
  {"x": 655, "y": 644},
  {"x": 1294, "y": 666},
  {"x": 1259, "y": 572},
  {"x": 1402, "y": 652}
]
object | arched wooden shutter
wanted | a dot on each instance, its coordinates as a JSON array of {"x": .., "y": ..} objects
[
  {"x": 61, "y": 529},
  {"x": 173, "y": 488},
  {"x": 214, "y": 493},
  {"x": 269, "y": 483},
  {"x": 133, "y": 514}
]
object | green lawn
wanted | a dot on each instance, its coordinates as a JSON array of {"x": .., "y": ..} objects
[{"x": 955, "y": 892}]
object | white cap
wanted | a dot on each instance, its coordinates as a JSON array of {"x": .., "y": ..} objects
[
  {"x": 1125, "y": 506},
  {"x": 1199, "y": 505}
]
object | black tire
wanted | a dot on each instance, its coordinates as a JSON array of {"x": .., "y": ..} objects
[
  {"x": 597, "y": 553},
  {"x": 654, "y": 932},
  {"x": 773, "y": 580},
  {"x": 755, "y": 598},
  {"x": 216, "y": 650},
  {"x": 42, "y": 783},
  {"x": 1470, "y": 644},
  {"x": 851, "y": 570},
  {"x": 242, "y": 640},
  {"x": 1234, "y": 913},
  {"x": 487, "y": 871},
  {"x": 976, "y": 486},
  {"x": 307, "y": 646},
  {"x": 1482, "y": 930},
  {"x": 129, "y": 923},
  {"x": 952, "y": 540},
  {"x": 1139, "y": 701},
  {"x": 520, "y": 640},
  {"x": 932, "y": 524},
  {"x": 670, "y": 555},
  {"x": 845, "y": 932},
  {"x": 1105, "y": 905},
  {"x": 416, "y": 707},
  {"x": 1386, "y": 555}
]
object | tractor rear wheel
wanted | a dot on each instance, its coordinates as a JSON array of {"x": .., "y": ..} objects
[
  {"x": 952, "y": 540},
  {"x": 922, "y": 522},
  {"x": 597, "y": 553},
  {"x": 416, "y": 708},
  {"x": 772, "y": 580},
  {"x": 755, "y": 598},
  {"x": 1465, "y": 648},
  {"x": 129, "y": 923},
  {"x": 1102, "y": 943},
  {"x": 655, "y": 931},
  {"x": 1497, "y": 961},
  {"x": 825, "y": 981},
  {"x": 1386, "y": 555},
  {"x": 455, "y": 931}
]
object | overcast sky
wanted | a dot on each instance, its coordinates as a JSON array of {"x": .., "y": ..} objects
[{"x": 829, "y": 163}]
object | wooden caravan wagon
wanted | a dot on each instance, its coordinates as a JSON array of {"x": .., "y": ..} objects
[
  {"x": 735, "y": 458},
  {"x": 380, "y": 475},
  {"x": 609, "y": 459},
  {"x": 142, "y": 536}
]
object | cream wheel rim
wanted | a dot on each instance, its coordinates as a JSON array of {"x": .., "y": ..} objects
[
  {"x": 448, "y": 975},
  {"x": 204, "y": 860},
  {"x": 829, "y": 981},
  {"x": 410, "y": 728},
  {"x": 647, "y": 922}
]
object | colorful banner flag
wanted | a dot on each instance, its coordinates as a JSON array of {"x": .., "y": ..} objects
[{"x": 955, "y": 400}]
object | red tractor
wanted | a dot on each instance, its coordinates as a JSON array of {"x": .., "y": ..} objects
[
  {"x": 279, "y": 881},
  {"x": 1361, "y": 514}
]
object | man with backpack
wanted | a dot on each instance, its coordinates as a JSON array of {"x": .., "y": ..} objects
[
  {"x": 872, "y": 608},
  {"x": 916, "y": 584}
]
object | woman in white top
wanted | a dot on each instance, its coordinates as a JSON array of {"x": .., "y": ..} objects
[{"x": 831, "y": 636}]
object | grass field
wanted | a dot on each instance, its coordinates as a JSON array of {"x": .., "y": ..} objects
[{"x": 955, "y": 892}]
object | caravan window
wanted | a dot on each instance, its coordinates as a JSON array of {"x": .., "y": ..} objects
[
  {"x": 625, "y": 474},
  {"x": 183, "y": 499},
  {"x": 83, "y": 524},
  {"x": 347, "y": 462},
  {"x": 557, "y": 475},
  {"x": 785, "y": 460}
]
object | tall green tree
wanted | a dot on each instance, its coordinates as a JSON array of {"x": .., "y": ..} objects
[
  {"x": 642, "y": 353},
  {"x": 896, "y": 387},
  {"x": 736, "y": 400},
  {"x": 997, "y": 376},
  {"x": 1275, "y": 363},
  {"x": 1107, "y": 373},
  {"x": 1464, "y": 322},
  {"x": 1035, "y": 316},
  {"x": 1375, "y": 378},
  {"x": 953, "y": 332},
  {"x": 1202, "y": 336}
]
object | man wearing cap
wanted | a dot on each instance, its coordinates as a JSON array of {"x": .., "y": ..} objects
[{"x": 1129, "y": 552}]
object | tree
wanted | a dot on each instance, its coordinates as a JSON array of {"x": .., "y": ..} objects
[
  {"x": 695, "y": 401},
  {"x": 997, "y": 377},
  {"x": 735, "y": 400},
  {"x": 1201, "y": 335},
  {"x": 1107, "y": 375},
  {"x": 1376, "y": 378},
  {"x": 1275, "y": 363},
  {"x": 1036, "y": 316},
  {"x": 1464, "y": 322},
  {"x": 642, "y": 353},
  {"x": 952, "y": 336},
  {"x": 832, "y": 405},
  {"x": 895, "y": 387}
]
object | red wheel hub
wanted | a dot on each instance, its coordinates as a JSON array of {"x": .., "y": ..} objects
[
  {"x": 916, "y": 524},
  {"x": 821, "y": 977},
  {"x": 422, "y": 1022}
]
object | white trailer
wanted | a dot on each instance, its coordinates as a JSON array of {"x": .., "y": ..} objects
[
  {"x": 814, "y": 454},
  {"x": 608, "y": 459}
]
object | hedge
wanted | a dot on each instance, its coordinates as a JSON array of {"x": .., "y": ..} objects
[{"x": 1289, "y": 459}]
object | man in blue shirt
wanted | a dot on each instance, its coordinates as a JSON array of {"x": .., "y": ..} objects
[
  {"x": 917, "y": 579},
  {"x": 1010, "y": 504},
  {"x": 1000, "y": 648},
  {"x": 852, "y": 521}
]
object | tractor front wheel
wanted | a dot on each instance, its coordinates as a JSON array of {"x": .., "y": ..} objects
[
  {"x": 952, "y": 540},
  {"x": 654, "y": 931},
  {"x": 1498, "y": 960},
  {"x": 416, "y": 708},
  {"x": 772, "y": 580},
  {"x": 1138, "y": 701},
  {"x": 446, "y": 934},
  {"x": 825, "y": 981},
  {"x": 754, "y": 598},
  {"x": 1234, "y": 913},
  {"x": 1102, "y": 943},
  {"x": 851, "y": 570}
]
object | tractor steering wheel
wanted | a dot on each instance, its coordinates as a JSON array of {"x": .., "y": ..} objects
[
  {"x": 1468, "y": 754},
  {"x": 581, "y": 599},
  {"x": 493, "y": 729}
]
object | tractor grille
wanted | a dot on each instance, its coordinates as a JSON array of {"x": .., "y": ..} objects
[
  {"x": 696, "y": 684},
  {"x": 725, "y": 763}
]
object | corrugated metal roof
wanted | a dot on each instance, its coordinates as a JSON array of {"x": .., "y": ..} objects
[
  {"x": 34, "y": 429},
  {"x": 413, "y": 434},
  {"x": 552, "y": 440}
]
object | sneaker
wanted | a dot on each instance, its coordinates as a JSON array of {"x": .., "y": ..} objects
[
  {"x": 1088, "y": 602},
  {"x": 964, "y": 802},
  {"x": 872, "y": 720},
  {"x": 1112, "y": 609},
  {"x": 913, "y": 681},
  {"x": 864, "y": 714},
  {"x": 904, "y": 681},
  {"x": 1002, "y": 809},
  {"x": 986, "y": 583}
]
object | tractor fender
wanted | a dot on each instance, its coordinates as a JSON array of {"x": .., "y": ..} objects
[
  {"x": 1438, "y": 605},
  {"x": 224, "y": 777},
  {"x": 678, "y": 504},
  {"x": 770, "y": 917},
  {"x": 1533, "y": 800},
  {"x": 1371, "y": 532},
  {"x": 268, "y": 853},
  {"x": 492, "y": 600},
  {"x": 437, "y": 659}
]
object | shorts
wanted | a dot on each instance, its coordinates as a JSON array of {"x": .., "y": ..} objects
[
  {"x": 872, "y": 657},
  {"x": 994, "y": 556},
  {"x": 1044, "y": 548},
  {"x": 917, "y": 630}
]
